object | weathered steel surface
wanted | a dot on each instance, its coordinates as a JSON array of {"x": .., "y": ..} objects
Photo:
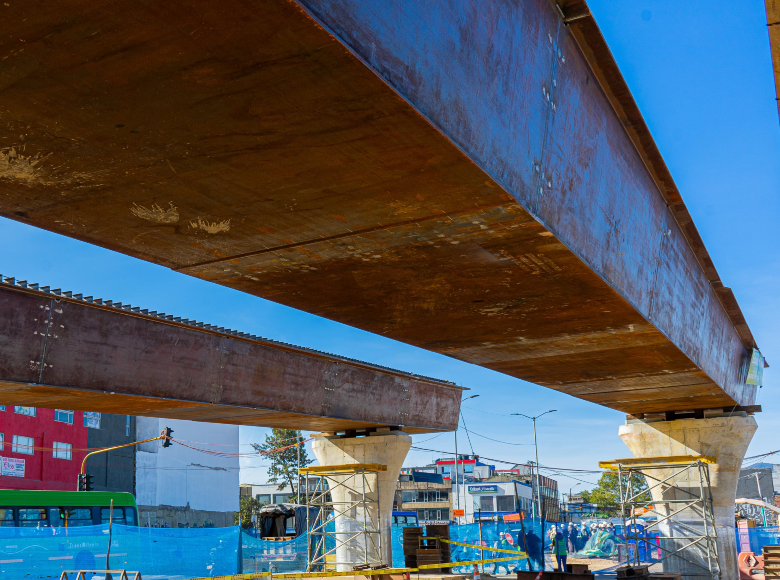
[
  {"x": 467, "y": 177},
  {"x": 66, "y": 354},
  {"x": 773, "y": 25}
]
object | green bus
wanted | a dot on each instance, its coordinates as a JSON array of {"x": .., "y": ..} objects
[{"x": 62, "y": 509}]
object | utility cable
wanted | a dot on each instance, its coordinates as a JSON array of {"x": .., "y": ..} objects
[
  {"x": 599, "y": 471},
  {"x": 468, "y": 436},
  {"x": 490, "y": 439}
]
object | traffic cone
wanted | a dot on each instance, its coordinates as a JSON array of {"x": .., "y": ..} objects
[
  {"x": 476, "y": 573},
  {"x": 539, "y": 575}
]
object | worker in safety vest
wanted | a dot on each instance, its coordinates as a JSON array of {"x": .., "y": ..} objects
[{"x": 558, "y": 548}]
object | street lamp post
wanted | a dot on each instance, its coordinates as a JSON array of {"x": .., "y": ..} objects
[
  {"x": 536, "y": 451},
  {"x": 457, "y": 494}
]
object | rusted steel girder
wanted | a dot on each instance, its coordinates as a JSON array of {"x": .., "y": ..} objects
[
  {"x": 773, "y": 25},
  {"x": 470, "y": 177},
  {"x": 64, "y": 353}
]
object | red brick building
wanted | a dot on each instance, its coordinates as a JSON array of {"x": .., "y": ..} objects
[{"x": 41, "y": 448}]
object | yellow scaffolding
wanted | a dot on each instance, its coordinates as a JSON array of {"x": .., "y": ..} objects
[
  {"x": 685, "y": 515},
  {"x": 359, "y": 511}
]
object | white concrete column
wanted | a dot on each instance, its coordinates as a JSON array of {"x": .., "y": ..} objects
[
  {"x": 724, "y": 438},
  {"x": 385, "y": 448}
]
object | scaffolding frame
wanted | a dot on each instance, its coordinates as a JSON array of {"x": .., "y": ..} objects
[
  {"x": 670, "y": 506},
  {"x": 354, "y": 479}
]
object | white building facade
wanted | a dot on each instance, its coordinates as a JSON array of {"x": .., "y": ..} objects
[
  {"x": 192, "y": 486},
  {"x": 494, "y": 499}
]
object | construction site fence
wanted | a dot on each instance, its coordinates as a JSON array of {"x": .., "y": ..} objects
[
  {"x": 178, "y": 553},
  {"x": 754, "y": 539}
]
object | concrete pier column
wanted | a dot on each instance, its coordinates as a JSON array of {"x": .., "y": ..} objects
[
  {"x": 386, "y": 448},
  {"x": 724, "y": 438}
]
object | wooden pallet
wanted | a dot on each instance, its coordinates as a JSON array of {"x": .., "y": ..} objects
[
  {"x": 771, "y": 562},
  {"x": 521, "y": 575},
  {"x": 633, "y": 572}
]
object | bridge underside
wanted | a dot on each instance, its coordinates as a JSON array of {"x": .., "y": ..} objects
[
  {"x": 62, "y": 353},
  {"x": 471, "y": 181}
]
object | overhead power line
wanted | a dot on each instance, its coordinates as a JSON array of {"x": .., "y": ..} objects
[
  {"x": 490, "y": 439},
  {"x": 598, "y": 471}
]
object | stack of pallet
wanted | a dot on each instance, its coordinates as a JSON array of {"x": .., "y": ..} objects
[
  {"x": 411, "y": 536},
  {"x": 633, "y": 572},
  {"x": 643, "y": 573},
  {"x": 443, "y": 532},
  {"x": 429, "y": 552},
  {"x": 771, "y": 562}
]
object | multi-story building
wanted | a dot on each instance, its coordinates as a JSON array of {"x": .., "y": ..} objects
[
  {"x": 269, "y": 493},
  {"x": 576, "y": 509},
  {"x": 192, "y": 484},
  {"x": 756, "y": 483},
  {"x": 469, "y": 468},
  {"x": 526, "y": 473},
  {"x": 496, "y": 497},
  {"x": 113, "y": 470},
  {"x": 775, "y": 468},
  {"x": 427, "y": 494},
  {"x": 41, "y": 448}
]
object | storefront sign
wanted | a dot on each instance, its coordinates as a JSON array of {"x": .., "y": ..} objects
[
  {"x": 483, "y": 489},
  {"x": 12, "y": 467},
  {"x": 434, "y": 522}
]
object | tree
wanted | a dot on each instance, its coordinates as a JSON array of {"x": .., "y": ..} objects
[
  {"x": 607, "y": 494},
  {"x": 280, "y": 447},
  {"x": 248, "y": 507}
]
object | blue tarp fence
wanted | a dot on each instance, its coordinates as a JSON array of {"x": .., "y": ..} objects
[
  {"x": 754, "y": 539},
  {"x": 162, "y": 553},
  {"x": 176, "y": 554}
]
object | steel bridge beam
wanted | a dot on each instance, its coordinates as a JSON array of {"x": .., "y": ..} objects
[
  {"x": 63, "y": 353},
  {"x": 473, "y": 178}
]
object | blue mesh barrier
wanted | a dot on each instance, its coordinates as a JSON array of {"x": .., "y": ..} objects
[
  {"x": 491, "y": 536},
  {"x": 159, "y": 553},
  {"x": 757, "y": 538},
  {"x": 263, "y": 555},
  {"x": 175, "y": 554}
]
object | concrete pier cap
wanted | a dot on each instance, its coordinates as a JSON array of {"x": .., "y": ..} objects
[
  {"x": 726, "y": 439},
  {"x": 385, "y": 447}
]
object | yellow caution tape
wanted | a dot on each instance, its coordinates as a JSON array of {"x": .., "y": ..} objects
[
  {"x": 253, "y": 575},
  {"x": 520, "y": 553},
  {"x": 455, "y": 564}
]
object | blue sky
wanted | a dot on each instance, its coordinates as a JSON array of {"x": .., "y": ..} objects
[{"x": 702, "y": 76}]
